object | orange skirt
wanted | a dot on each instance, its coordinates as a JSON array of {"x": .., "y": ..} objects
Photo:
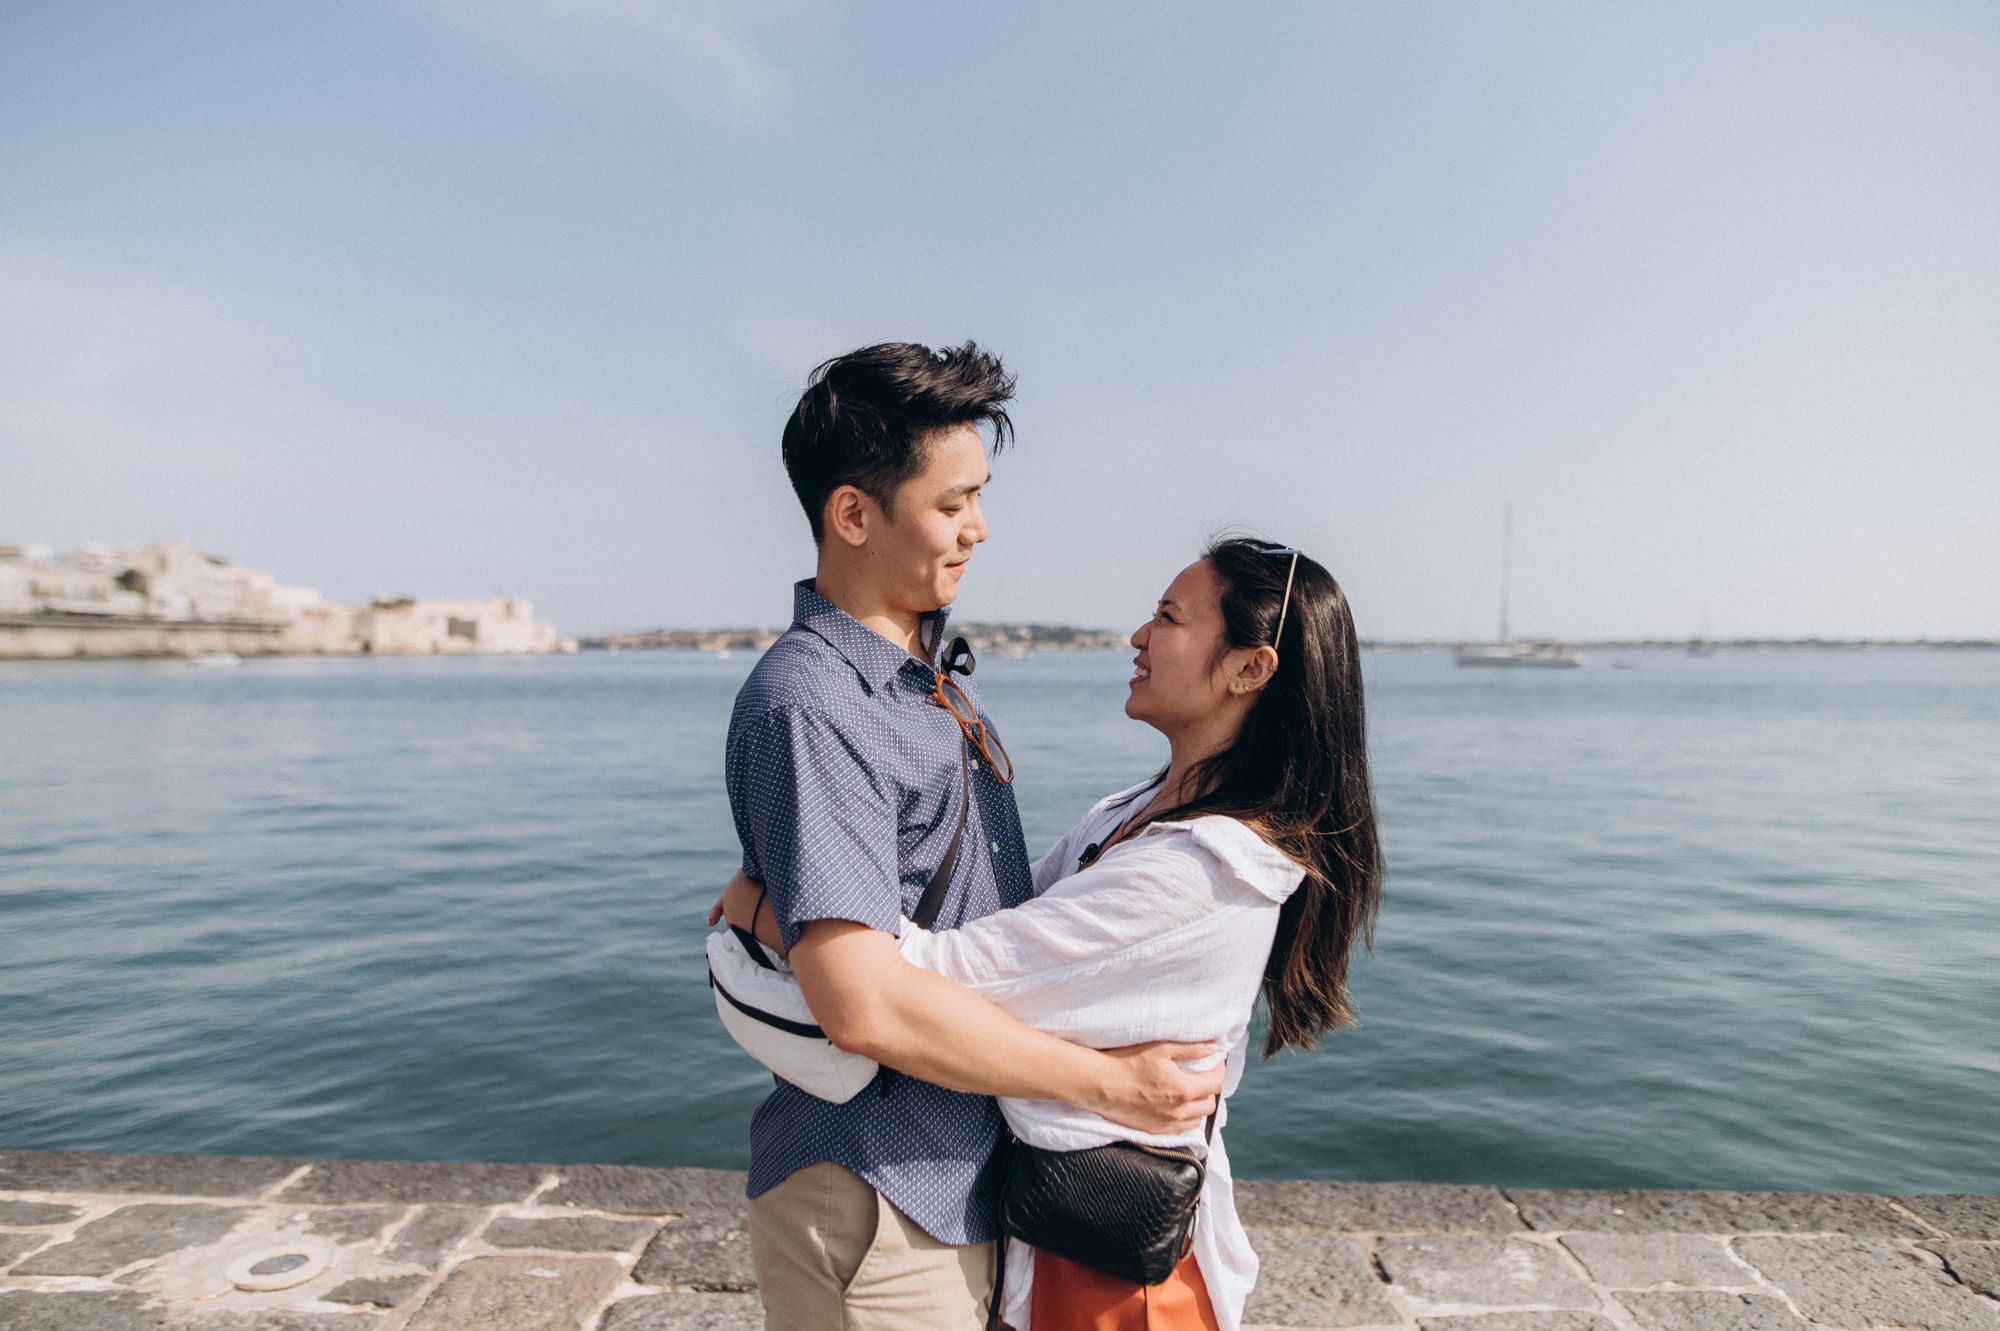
[{"x": 1068, "y": 1297}]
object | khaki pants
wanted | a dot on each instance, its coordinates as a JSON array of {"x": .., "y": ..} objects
[{"x": 832, "y": 1254}]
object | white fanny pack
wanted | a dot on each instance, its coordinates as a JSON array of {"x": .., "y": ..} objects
[{"x": 765, "y": 1013}]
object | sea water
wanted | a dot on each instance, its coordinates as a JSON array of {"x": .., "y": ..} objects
[{"x": 1730, "y": 921}]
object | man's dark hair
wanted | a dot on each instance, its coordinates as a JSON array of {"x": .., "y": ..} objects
[{"x": 865, "y": 418}]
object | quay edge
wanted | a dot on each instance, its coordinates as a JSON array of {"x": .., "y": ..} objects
[{"x": 112, "y": 1242}]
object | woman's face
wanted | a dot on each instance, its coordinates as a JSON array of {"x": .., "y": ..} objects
[{"x": 1177, "y": 679}]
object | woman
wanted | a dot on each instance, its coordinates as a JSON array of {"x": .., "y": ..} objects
[{"x": 1249, "y": 864}]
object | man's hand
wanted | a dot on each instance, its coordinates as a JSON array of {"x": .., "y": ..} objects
[{"x": 1150, "y": 1091}]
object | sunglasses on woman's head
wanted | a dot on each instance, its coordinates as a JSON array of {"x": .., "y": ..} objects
[{"x": 1266, "y": 548}]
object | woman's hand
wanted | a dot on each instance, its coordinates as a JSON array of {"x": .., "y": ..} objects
[{"x": 739, "y": 902}]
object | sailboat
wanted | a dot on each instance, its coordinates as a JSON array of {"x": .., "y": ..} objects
[{"x": 1507, "y": 653}]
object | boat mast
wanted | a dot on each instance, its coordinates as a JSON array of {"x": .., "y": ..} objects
[{"x": 1506, "y": 563}]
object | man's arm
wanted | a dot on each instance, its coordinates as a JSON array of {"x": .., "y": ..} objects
[
  {"x": 824, "y": 833},
  {"x": 870, "y": 1001},
  {"x": 913, "y": 1013}
]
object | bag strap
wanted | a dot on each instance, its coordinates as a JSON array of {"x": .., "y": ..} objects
[
  {"x": 748, "y": 937},
  {"x": 933, "y": 898},
  {"x": 993, "y": 1301},
  {"x": 753, "y": 947}
]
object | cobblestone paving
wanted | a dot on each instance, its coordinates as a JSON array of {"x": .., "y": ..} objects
[{"x": 164, "y": 1243}]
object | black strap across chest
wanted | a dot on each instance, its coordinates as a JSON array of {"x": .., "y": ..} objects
[{"x": 933, "y": 898}]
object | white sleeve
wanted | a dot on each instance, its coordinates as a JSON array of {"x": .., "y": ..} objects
[
  {"x": 1137, "y": 896},
  {"x": 1156, "y": 940},
  {"x": 1046, "y": 870}
]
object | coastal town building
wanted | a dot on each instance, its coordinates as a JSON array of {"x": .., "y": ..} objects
[
  {"x": 31, "y": 583},
  {"x": 406, "y": 627},
  {"x": 169, "y": 598}
]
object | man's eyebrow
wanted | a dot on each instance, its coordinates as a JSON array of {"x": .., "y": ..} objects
[{"x": 965, "y": 490}]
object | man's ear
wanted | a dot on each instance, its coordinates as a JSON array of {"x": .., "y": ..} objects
[
  {"x": 1254, "y": 671},
  {"x": 849, "y": 512}
]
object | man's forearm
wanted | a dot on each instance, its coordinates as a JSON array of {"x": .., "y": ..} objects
[
  {"x": 872, "y": 1001},
  {"x": 939, "y": 1031}
]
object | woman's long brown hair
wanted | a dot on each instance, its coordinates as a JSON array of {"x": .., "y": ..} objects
[{"x": 1298, "y": 773}]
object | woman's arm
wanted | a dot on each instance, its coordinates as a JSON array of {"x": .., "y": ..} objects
[
  {"x": 1135, "y": 897},
  {"x": 923, "y": 1024},
  {"x": 740, "y": 902},
  {"x": 872, "y": 1002}
]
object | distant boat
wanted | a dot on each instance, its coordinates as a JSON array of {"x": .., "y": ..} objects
[
  {"x": 1506, "y": 653},
  {"x": 215, "y": 659},
  {"x": 1521, "y": 655}
]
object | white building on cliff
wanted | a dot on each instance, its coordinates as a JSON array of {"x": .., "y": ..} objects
[{"x": 171, "y": 599}]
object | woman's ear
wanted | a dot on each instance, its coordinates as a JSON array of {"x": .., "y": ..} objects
[{"x": 1253, "y": 670}]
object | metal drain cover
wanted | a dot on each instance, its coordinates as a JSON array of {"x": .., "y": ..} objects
[{"x": 279, "y": 1269}]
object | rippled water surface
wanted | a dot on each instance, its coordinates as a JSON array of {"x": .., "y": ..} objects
[{"x": 1726, "y": 922}]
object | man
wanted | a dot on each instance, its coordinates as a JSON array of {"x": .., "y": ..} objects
[{"x": 846, "y": 780}]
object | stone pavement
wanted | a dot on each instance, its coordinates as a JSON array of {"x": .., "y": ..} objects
[{"x": 166, "y": 1243}]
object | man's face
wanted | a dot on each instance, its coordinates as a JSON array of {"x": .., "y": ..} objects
[{"x": 934, "y": 522}]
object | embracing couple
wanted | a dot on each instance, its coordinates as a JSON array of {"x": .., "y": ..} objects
[{"x": 1100, "y": 994}]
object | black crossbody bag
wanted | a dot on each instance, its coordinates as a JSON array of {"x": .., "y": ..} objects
[{"x": 1125, "y": 1208}]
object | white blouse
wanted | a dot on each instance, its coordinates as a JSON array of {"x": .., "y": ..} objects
[{"x": 1164, "y": 937}]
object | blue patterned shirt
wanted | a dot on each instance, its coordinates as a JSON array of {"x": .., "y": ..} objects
[{"x": 845, "y": 780}]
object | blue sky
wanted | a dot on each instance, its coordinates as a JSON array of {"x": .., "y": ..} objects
[{"x": 513, "y": 296}]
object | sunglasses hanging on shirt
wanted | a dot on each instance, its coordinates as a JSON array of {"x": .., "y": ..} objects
[{"x": 948, "y": 695}]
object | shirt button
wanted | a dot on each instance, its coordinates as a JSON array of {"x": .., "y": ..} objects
[
  {"x": 975, "y": 764},
  {"x": 996, "y": 848}
]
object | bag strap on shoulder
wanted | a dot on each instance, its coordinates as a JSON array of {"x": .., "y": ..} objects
[{"x": 933, "y": 898}]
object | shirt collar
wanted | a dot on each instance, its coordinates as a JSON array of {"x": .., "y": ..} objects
[{"x": 873, "y": 656}]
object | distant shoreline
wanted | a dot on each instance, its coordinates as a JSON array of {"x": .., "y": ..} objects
[
  {"x": 988, "y": 642},
  {"x": 1724, "y": 644},
  {"x": 1019, "y": 639}
]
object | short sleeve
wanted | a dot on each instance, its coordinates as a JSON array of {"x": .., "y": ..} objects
[{"x": 820, "y": 831}]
